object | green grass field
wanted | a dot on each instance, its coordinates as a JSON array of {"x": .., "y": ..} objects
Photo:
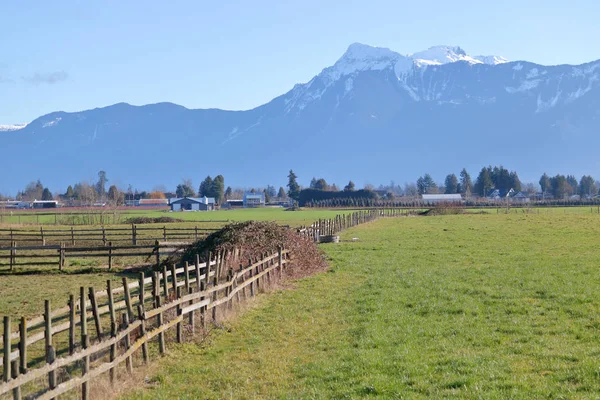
[{"x": 466, "y": 306}]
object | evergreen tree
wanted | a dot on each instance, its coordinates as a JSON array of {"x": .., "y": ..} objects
[
  {"x": 515, "y": 182},
  {"x": 281, "y": 193},
  {"x": 184, "y": 190},
  {"x": 572, "y": 181},
  {"x": 313, "y": 183},
  {"x": 484, "y": 182},
  {"x": 321, "y": 184},
  {"x": 293, "y": 187},
  {"x": 560, "y": 187},
  {"x": 271, "y": 191},
  {"x": 545, "y": 183},
  {"x": 101, "y": 184},
  {"x": 466, "y": 185},
  {"x": 349, "y": 187},
  {"x": 426, "y": 184},
  {"x": 228, "y": 193},
  {"x": 451, "y": 184},
  {"x": 206, "y": 188},
  {"x": 587, "y": 186},
  {"x": 46, "y": 195},
  {"x": 218, "y": 188},
  {"x": 70, "y": 193}
]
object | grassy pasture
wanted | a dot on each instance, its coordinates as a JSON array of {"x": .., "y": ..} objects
[{"x": 464, "y": 306}]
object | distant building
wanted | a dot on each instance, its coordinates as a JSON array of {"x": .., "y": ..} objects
[
  {"x": 153, "y": 203},
  {"x": 192, "y": 204},
  {"x": 234, "y": 203},
  {"x": 441, "y": 198},
  {"x": 520, "y": 197},
  {"x": 44, "y": 204},
  {"x": 252, "y": 200}
]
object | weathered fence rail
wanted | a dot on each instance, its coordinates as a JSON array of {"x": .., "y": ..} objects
[
  {"x": 149, "y": 308},
  {"x": 133, "y": 235},
  {"x": 58, "y": 255}
]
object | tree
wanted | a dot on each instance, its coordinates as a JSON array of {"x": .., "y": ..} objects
[
  {"x": 410, "y": 190},
  {"x": 560, "y": 187},
  {"x": 270, "y": 190},
  {"x": 545, "y": 184},
  {"x": 153, "y": 195},
  {"x": 101, "y": 184},
  {"x": 117, "y": 198},
  {"x": 46, "y": 195},
  {"x": 334, "y": 188},
  {"x": 293, "y": 187},
  {"x": 228, "y": 193},
  {"x": 466, "y": 185},
  {"x": 281, "y": 194},
  {"x": 587, "y": 186},
  {"x": 321, "y": 184},
  {"x": 70, "y": 193},
  {"x": 515, "y": 182},
  {"x": 451, "y": 184},
  {"x": 349, "y": 187},
  {"x": 572, "y": 181},
  {"x": 426, "y": 184},
  {"x": 483, "y": 182},
  {"x": 184, "y": 190},
  {"x": 267, "y": 196},
  {"x": 313, "y": 183},
  {"x": 218, "y": 188},
  {"x": 206, "y": 187}
]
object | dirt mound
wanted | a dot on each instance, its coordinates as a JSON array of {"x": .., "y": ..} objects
[
  {"x": 249, "y": 240},
  {"x": 149, "y": 220}
]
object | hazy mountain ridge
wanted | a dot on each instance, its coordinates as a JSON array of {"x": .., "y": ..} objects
[{"x": 421, "y": 107}]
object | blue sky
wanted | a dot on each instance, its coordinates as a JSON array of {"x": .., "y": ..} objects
[{"x": 75, "y": 55}]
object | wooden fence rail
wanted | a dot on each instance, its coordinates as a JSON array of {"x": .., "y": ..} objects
[
  {"x": 152, "y": 308},
  {"x": 133, "y": 235},
  {"x": 57, "y": 255}
]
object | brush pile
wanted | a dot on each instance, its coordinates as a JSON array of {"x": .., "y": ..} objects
[
  {"x": 150, "y": 220},
  {"x": 251, "y": 240}
]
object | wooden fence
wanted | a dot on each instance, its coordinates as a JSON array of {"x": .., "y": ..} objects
[
  {"x": 134, "y": 235},
  {"x": 323, "y": 228},
  {"x": 57, "y": 255},
  {"x": 170, "y": 298}
]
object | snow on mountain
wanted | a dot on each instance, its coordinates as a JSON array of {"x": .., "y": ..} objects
[
  {"x": 360, "y": 57},
  {"x": 438, "y": 55},
  {"x": 11, "y": 128},
  {"x": 491, "y": 60}
]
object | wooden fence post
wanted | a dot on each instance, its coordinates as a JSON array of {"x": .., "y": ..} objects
[
  {"x": 157, "y": 249},
  {"x": 113, "y": 327},
  {"x": 109, "y": 256},
  {"x": 141, "y": 288},
  {"x": 174, "y": 279},
  {"x": 143, "y": 333},
  {"x": 42, "y": 236},
  {"x": 23, "y": 345},
  {"x": 159, "y": 321},
  {"x": 72, "y": 237},
  {"x": 61, "y": 258},
  {"x": 72, "y": 312},
  {"x": 15, "y": 374},
  {"x": 127, "y": 296},
  {"x": 197, "y": 265},
  {"x": 95, "y": 314},
  {"x": 251, "y": 275},
  {"x": 179, "y": 324},
  {"x": 85, "y": 341},
  {"x": 6, "y": 370},
  {"x": 203, "y": 309},
  {"x": 13, "y": 253},
  {"x": 133, "y": 235},
  {"x": 50, "y": 352},
  {"x": 128, "y": 360},
  {"x": 165, "y": 283}
]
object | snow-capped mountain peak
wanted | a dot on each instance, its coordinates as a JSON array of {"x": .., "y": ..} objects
[
  {"x": 438, "y": 55},
  {"x": 491, "y": 60}
]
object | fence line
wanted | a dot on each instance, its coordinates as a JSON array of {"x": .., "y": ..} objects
[
  {"x": 172, "y": 302},
  {"x": 59, "y": 254},
  {"x": 132, "y": 234}
]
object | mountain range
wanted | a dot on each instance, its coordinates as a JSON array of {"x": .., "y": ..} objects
[{"x": 374, "y": 116}]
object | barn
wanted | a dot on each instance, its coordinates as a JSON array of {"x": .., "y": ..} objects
[{"x": 192, "y": 204}]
